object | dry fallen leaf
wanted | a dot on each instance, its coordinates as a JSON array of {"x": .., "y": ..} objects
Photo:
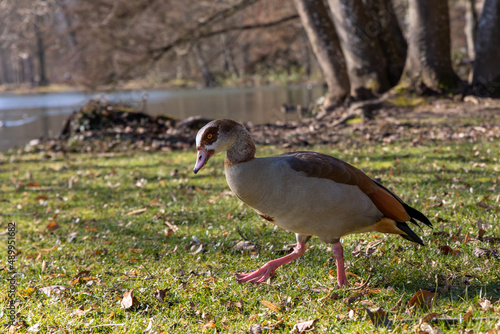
[
  {"x": 128, "y": 299},
  {"x": 467, "y": 237},
  {"x": 429, "y": 317},
  {"x": 72, "y": 236},
  {"x": 480, "y": 252},
  {"x": 196, "y": 249},
  {"x": 41, "y": 197},
  {"x": 82, "y": 274},
  {"x": 52, "y": 226},
  {"x": 256, "y": 329},
  {"x": 486, "y": 305},
  {"x": 53, "y": 289},
  {"x": 469, "y": 314},
  {"x": 303, "y": 327},
  {"x": 244, "y": 245},
  {"x": 379, "y": 318},
  {"x": 232, "y": 304},
  {"x": 425, "y": 328},
  {"x": 136, "y": 212},
  {"x": 208, "y": 325},
  {"x": 423, "y": 298},
  {"x": 171, "y": 226},
  {"x": 160, "y": 294},
  {"x": 91, "y": 228},
  {"x": 270, "y": 305},
  {"x": 81, "y": 310},
  {"x": 447, "y": 250}
]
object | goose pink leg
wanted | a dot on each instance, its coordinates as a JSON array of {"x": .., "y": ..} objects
[
  {"x": 338, "y": 253},
  {"x": 269, "y": 268}
]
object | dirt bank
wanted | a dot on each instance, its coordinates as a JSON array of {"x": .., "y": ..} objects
[{"x": 100, "y": 127}]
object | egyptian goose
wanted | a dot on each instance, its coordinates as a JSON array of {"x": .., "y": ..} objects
[{"x": 308, "y": 193}]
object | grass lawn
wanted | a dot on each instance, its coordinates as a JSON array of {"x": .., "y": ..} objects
[{"x": 92, "y": 227}]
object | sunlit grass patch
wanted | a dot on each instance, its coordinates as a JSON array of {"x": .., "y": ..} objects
[{"x": 144, "y": 222}]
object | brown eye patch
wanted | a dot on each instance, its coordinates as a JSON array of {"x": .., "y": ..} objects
[{"x": 210, "y": 136}]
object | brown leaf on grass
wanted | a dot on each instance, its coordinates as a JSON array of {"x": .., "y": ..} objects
[
  {"x": 82, "y": 273},
  {"x": 46, "y": 250},
  {"x": 468, "y": 315},
  {"x": 484, "y": 205},
  {"x": 128, "y": 299},
  {"x": 270, "y": 305},
  {"x": 303, "y": 327},
  {"x": 447, "y": 250},
  {"x": 26, "y": 292},
  {"x": 467, "y": 237},
  {"x": 135, "y": 250},
  {"x": 33, "y": 185},
  {"x": 244, "y": 245},
  {"x": 72, "y": 236},
  {"x": 52, "y": 226},
  {"x": 480, "y": 252},
  {"x": 232, "y": 304},
  {"x": 53, "y": 289},
  {"x": 160, "y": 294},
  {"x": 82, "y": 311},
  {"x": 480, "y": 233},
  {"x": 136, "y": 212},
  {"x": 49, "y": 276},
  {"x": 429, "y": 317},
  {"x": 486, "y": 305},
  {"x": 379, "y": 318},
  {"x": 491, "y": 240},
  {"x": 256, "y": 329},
  {"x": 208, "y": 325},
  {"x": 171, "y": 226},
  {"x": 90, "y": 228},
  {"x": 423, "y": 298},
  {"x": 196, "y": 249},
  {"x": 39, "y": 197},
  {"x": 425, "y": 328}
]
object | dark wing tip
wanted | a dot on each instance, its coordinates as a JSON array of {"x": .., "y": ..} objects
[
  {"x": 413, "y": 213},
  {"x": 410, "y": 235}
]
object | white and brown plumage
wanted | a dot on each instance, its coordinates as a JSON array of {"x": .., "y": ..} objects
[{"x": 308, "y": 193}]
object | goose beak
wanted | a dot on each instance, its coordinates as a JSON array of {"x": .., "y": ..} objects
[{"x": 201, "y": 159}]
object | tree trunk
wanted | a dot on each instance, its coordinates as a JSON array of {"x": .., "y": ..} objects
[
  {"x": 486, "y": 80},
  {"x": 385, "y": 26},
  {"x": 40, "y": 51},
  {"x": 366, "y": 65},
  {"x": 205, "y": 71},
  {"x": 326, "y": 46},
  {"x": 229, "y": 63},
  {"x": 470, "y": 28},
  {"x": 428, "y": 64},
  {"x": 6, "y": 69}
]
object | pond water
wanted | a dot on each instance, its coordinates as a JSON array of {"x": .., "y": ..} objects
[{"x": 27, "y": 117}]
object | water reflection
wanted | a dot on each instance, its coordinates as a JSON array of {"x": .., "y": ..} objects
[{"x": 27, "y": 117}]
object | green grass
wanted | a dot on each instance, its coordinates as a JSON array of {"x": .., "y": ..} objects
[{"x": 96, "y": 198}]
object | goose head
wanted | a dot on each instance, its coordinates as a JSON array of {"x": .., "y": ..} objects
[{"x": 223, "y": 135}]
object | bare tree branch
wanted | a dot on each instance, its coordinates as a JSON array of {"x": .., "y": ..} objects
[
  {"x": 249, "y": 26},
  {"x": 194, "y": 33}
]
